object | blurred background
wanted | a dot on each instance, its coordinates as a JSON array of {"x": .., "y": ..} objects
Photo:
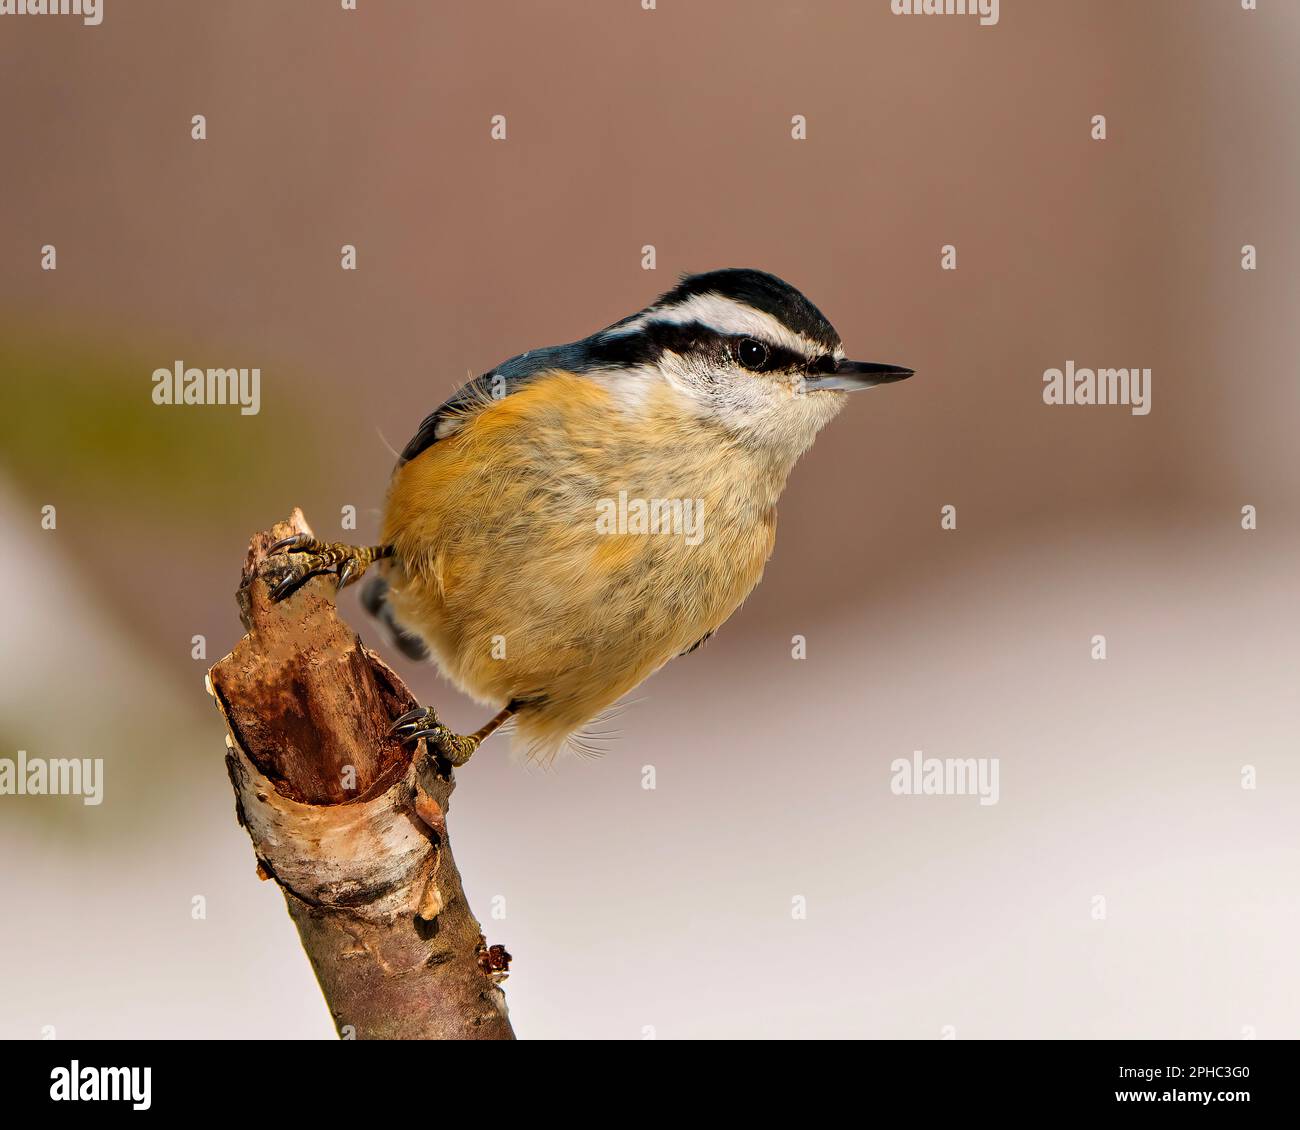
[{"x": 669, "y": 911}]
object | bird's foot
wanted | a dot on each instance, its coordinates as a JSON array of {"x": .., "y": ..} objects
[
  {"x": 311, "y": 558},
  {"x": 422, "y": 722}
]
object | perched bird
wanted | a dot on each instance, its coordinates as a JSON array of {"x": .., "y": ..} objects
[{"x": 573, "y": 519}]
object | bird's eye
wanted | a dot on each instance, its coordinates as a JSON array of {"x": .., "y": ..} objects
[{"x": 752, "y": 354}]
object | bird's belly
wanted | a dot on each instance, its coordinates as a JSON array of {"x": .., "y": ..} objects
[{"x": 566, "y": 558}]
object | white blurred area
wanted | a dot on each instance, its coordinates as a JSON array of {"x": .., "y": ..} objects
[{"x": 100, "y": 941}]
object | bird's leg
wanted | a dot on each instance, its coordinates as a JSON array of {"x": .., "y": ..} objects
[
  {"x": 311, "y": 558},
  {"x": 422, "y": 722}
]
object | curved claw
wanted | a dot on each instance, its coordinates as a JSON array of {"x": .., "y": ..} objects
[
  {"x": 426, "y": 732},
  {"x": 292, "y": 540},
  {"x": 346, "y": 571},
  {"x": 409, "y": 720},
  {"x": 292, "y": 583}
]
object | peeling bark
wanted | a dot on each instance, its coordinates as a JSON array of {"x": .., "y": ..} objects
[{"x": 348, "y": 822}]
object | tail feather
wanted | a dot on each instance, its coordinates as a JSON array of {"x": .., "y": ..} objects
[{"x": 374, "y": 599}]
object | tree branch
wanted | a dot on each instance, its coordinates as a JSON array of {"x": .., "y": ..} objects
[{"x": 348, "y": 822}]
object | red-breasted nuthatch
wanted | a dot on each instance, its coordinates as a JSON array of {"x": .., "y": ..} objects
[{"x": 573, "y": 519}]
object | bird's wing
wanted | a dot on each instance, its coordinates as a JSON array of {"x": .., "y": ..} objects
[{"x": 508, "y": 377}]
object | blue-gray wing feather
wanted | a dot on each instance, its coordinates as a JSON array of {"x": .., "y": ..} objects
[{"x": 508, "y": 377}]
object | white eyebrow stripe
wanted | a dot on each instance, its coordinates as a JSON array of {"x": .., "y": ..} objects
[{"x": 727, "y": 316}]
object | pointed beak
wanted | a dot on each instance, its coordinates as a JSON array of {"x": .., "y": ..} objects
[{"x": 848, "y": 376}]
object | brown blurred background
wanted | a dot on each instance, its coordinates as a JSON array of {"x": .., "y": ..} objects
[{"x": 669, "y": 910}]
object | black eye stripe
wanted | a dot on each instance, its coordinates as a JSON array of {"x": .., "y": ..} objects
[
  {"x": 778, "y": 357},
  {"x": 650, "y": 341}
]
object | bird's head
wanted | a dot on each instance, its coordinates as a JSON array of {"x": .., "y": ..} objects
[{"x": 749, "y": 352}]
